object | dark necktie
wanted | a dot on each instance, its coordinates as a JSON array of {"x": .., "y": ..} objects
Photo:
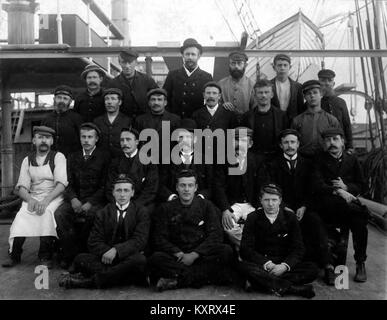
[
  {"x": 86, "y": 157},
  {"x": 120, "y": 234},
  {"x": 292, "y": 164}
]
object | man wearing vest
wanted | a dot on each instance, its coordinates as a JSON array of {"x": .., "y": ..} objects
[
  {"x": 41, "y": 184},
  {"x": 119, "y": 235}
]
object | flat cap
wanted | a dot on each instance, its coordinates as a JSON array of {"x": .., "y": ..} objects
[
  {"x": 90, "y": 68},
  {"x": 190, "y": 42},
  {"x": 128, "y": 55},
  {"x": 310, "y": 84},
  {"x": 326, "y": 73},
  {"x": 271, "y": 188},
  {"x": 132, "y": 131},
  {"x": 241, "y": 131},
  {"x": 90, "y": 126},
  {"x": 238, "y": 56},
  {"x": 282, "y": 56},
  {"x": 331, "y": 132},
  {"x": 157, "y": 91},
  {"x": 286, "y": 132},
  {"x": 112, "y": 91},
  {"x": 212, "y": 84},
  {"x": 188, "y": 124},
  {"x": 43, "y": 130},
  {"x": 63, "y": 89},
  {"x": 123, "y": 178}
]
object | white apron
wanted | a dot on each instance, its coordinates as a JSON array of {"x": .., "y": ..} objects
[{"x": 29, "y": 224}]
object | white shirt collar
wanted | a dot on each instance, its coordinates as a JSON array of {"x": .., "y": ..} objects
[
  {"x": 272, "y": 218},
  {"x": 132, "y": 155},
  {"x": 84, "y": 153},
  {"x": 213, "y": 110},
  {"x": 290, "y": 158},
  {"x": 189, "y": 73},
  {"x": 124, "y": 207}
]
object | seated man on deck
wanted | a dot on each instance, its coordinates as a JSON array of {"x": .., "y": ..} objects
[
  {"x": 188, "y": 241},
  {"x": 116, "y": 242},
  {"x": 42, "y": 180}
]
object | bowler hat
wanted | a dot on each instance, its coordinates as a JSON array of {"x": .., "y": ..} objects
[
  {"x": 188, "y": 43},
  {"x": 92, "y": 67}
]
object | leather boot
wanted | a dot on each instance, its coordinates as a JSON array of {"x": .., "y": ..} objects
[
  {"x": 305, "y": 291},
  {"x": 329, "y": 276},
  {"x": 75, "y": 281},
  {"x": 166, "y": 284},
  {"x": 10, "y": 262},
  {"x": 361, "y": 275}
]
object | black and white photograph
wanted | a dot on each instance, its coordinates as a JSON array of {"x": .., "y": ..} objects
[{"x": 193, "y": 155}]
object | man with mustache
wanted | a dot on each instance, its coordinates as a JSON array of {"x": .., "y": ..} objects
[
  {"x": 185, "y": 85},
  {"x": 235, "y": 193},
  {"x": 292, "y": 173},
  {"x": 335, "y": 105},
  {"x": 87, "y": 171},
  {"x": 42, "y": 181},
  {"x": 90, "y": 104},
  {"x": 311, "y": 123},
  {"x": 265, "y": 120},
  {"x": 133, "y": 84},
  {"x": 287, "y": 93},
  {"x": 64, "y": 121},
  {"x": 337, "y": 181},
  {"x": 144, "y": 176},
  {"x": 112, "y": 122},
  {"x": 188, "y": 158},
  {"x": 237, "y": 89},
  {"x": 214, "y": 116},
  {"x": 189, "y": 249}
]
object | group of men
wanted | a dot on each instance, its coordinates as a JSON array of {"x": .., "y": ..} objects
[{"x": 183, "y": 221}]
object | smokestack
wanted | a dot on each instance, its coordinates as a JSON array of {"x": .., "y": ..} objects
[
  {"x": 21, "y": 23},
  {"x": 120, "y": 13}
]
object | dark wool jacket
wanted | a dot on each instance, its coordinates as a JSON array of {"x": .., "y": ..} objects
[
  {"x": 136, "y": 226},
  {"x": 89, "y": 107}
]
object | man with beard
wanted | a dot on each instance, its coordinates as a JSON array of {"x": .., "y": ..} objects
[
  {"x": 64, "y": 121},
  {"x": 287, "y": 93},
  {"x": 213, "y": 116},
  {"x": 116, "y": 244},
  {"x": 133, "y": 84},
  {"x": 112, "y": 122},
  {"x": 185, "y": 85},
  {"x": 144, "y": 176},
  {"x": 90, "y": 104},
  {"x": 272, "y": 249},
  {"x": 188, "y": 158},
  {"x": 237, "y": 89},
  {"x": 265, "y": 120},
  {"x": 338, "y": 180},
  {"x": 236, "y": 192},
  {"x": 87, "y": 171},
  {"x": 335, "y": 105},
  {"x": 292, "y": 173},
  {"x": 188, "y": 241},
  {"x": 311, "y": 123},
  {"x": 41, "y": 183}
]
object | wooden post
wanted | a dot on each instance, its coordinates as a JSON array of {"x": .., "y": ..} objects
[{"x": 148, "y": 66}]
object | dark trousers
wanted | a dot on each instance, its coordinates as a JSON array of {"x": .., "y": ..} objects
[
  {"x": 315, "y": 239},
  {"x": 335, "y": 211},
  {"x": 45, "y": 248},
  {"x": 73, "y": 231},
  {"x": 212, "y": 268},
  {"x": 302, "y": 273},
  {"x": 130, "y": 270}
]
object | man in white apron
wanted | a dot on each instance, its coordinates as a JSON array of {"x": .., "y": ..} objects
[{"x": 42, "y": 180}]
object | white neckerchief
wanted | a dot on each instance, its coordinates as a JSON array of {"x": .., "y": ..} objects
[
  {"x": 122, "y": 208},
  {"x": 213, "y": 110},
  {"x": 132, "y": 155},
  {"x": 272, "y": 218},
  {"x": 189, "y": 73},
  {"x": 85, "y": 154}
]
